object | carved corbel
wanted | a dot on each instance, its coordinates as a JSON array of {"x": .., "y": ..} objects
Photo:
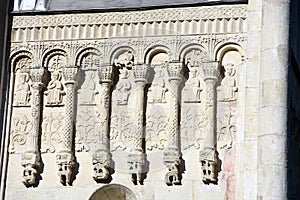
[
  {"x": 172, "y": 156},
  {"x": 31, "y": 157},
  {"x": 65, "y": 158},
  {"x": 208, "y": 154},
  {"x": 101, "y": 165},
  {"x": 101, "y": 159},
  {"x": 137, "y": 158}
]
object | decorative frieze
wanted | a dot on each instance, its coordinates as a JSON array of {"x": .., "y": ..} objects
[{"x": 153, "y": 22}]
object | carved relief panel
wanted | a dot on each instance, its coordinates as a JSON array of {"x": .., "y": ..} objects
[
  {"x": 21, "y": 120},
  {"x": 158, "y": 98},
  {"x": 54, "y": 101}
]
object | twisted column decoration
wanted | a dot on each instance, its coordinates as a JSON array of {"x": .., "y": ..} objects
[
  {"x": 65, "y": 158},
  {"x": 137, "y": 158},
  {"x": 172, "y": 156},
  {"x": 31, "y": 157},
  {"x": 208, "y": 154},
  {"x": 102, "y": 157}
]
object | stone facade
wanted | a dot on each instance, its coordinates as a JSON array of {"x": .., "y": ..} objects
[{"x": 167, "y": 103}]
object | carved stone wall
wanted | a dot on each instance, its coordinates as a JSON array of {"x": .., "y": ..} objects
[{"x": 148, "y": 97}]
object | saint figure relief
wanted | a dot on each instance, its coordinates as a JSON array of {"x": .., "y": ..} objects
[
  {"x": 54, "y": 90},
  {"x": 123, "y": 87},
  {"x": 228, "y": 86},
  {"x": 22, "y": 91},
  {"x": 192, "y": 89},
  {"x": 87, "y": 91},
  {"x": 157, "y": 91}
]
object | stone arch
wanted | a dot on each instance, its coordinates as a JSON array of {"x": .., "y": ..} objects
[
  {"x": 153, "y": 51},
  {"x": 221, "y": 50},
  {"x": 115, "y": 53},
  {"x": 17, "y": 56},
  {"x": 84, "y": 52},
  {"x": 188, "y": 48},
  {"x": 113, "y": 191},
  {"x": 52, "y": 53}
]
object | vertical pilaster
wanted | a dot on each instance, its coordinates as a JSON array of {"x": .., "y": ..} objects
[
  {"x": 65, "y": 158},
  {"x": 31, "y": 157},
  {"x": 208, "y": 154},
  {"x": 172, "y": 155},
  {"x": 102, "y": 157},
  {"x": 272, "y": 138},
  {"x": 137, "y": 158}
]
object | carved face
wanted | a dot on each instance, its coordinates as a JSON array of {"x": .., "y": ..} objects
[
  {"x": 55, "y": 76},
  {"x": 29, "y": 175},
  {"x": 193, "y": 72}
]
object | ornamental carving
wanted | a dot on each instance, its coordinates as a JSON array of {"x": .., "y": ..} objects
[
  {"x": 227, "y": 130},
  {"x": 180, "y": 113},
  {"x": 52, "y": 129},
  {"x": 21, "y": 127},
  {"x": 193, "y": 123},
  {"x": 156, "y": 131},
  {"x": 120, "y": 128}
]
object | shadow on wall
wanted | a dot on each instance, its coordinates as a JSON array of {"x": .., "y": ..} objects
[{"x": 294, "y": 104}]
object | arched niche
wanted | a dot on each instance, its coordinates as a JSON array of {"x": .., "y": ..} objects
[
  {"x": 116, "y": 53},
  {"x": 88, "y": 58},
  {"x": 21, "y": 61},
  {"x": 55, "y": 59},
  {"x": 157, "y": 54},
  {"x": 113, "y": 192},
  {"x": 230, "y": 57}
]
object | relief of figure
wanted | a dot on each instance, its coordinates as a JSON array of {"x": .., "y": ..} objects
[
  {"x": 54, "y": 90},
  {"x": 228, "y": 86},
  {"x": 87, "y": 91},
  {"x": 157, "y": 91},
  {"x": 123, "y": 87},
  {"x": 192, "y": 89},
  {"x": 22, "y": 91}
]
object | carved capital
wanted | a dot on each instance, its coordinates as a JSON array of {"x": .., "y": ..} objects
[
  {"x": 140, "y": 72},
  {"x": 31, "y": 164},
  {"x": 210, "y": 71},
  {"x": 175, "y": 72},
  {"x": 70, "y": 74},
  {"x": 66, "y": 163},
  {"x": 37, "y": 75},
  {"x": 137, "y": 164},
  {"x": 105, "y": 74},
  {"x": 101, "y": 165}
]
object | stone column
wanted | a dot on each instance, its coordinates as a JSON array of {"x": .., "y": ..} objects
[
  {"x": 31, "y": 157},
  {"x": 65, "y": 158},
  {"x": 172, "y": 156},
  {"x": 208, "y": 154},
  {"x": 137, "y": 158},
  {"x": 102, "y": 157},
  {"x": 272, "y": 137}
]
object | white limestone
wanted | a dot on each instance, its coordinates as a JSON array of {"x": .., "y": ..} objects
[{"x": 181, "y": 103}]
